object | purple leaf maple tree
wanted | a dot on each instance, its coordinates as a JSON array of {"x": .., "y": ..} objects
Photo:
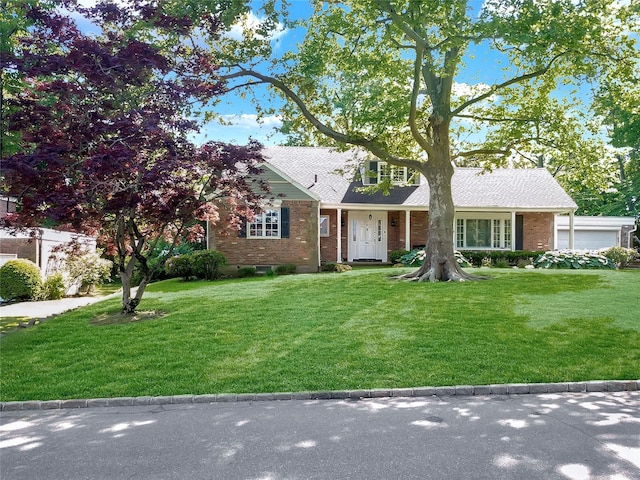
[{"x": 103, "y": 122}]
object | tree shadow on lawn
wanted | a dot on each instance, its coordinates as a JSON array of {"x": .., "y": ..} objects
[
  {"x": 612, "y": 298},
  {"x": 116, "y": 318}
]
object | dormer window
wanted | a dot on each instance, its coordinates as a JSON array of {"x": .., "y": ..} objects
[{"x": 379, "y": 172}]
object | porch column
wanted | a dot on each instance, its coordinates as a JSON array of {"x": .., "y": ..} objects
[
  {"x": 407, "y": 230},
  {"x": 571, "y": 238},
  {"x": 339, "y": 234},
  {"x": 513, "y": 231}
]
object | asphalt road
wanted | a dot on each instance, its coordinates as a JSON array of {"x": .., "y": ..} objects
[{"x": 552, "y": 436}]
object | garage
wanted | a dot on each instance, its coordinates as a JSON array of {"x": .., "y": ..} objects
[{"x": 594, "y": 233}]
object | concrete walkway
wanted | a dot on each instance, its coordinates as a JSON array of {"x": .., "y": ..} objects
[{"x": 48, "y": 308}]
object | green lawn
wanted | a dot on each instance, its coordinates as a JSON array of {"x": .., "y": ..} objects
[{"x": 354, "y": 330}]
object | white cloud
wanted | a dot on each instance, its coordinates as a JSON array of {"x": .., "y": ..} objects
[
  {"x": 251, "y": 121},
  {"x": 251, "y": 22},
  {"x": 464, "y": 90}
]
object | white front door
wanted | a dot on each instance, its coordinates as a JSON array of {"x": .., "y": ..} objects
[{"x": 368, "y": 236}]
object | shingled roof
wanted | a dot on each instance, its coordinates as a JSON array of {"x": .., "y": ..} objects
[{"x": 505, "y": 188}]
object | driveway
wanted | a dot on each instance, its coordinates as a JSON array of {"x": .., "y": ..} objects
[{"x": 566, "y": 436}]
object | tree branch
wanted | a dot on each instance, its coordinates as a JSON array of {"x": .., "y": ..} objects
[
  {"x": 497, "y": 120},
  {"x": 370, "y": 145},
  {"x": 512, "y": 81},
  {"x": 413, "y": 110}
]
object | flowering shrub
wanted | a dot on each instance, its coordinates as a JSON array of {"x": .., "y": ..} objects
[
  {"x": 573, "y": 259},
  {"x": 416, "y": 257},
  {"x": 620, "y": 256}
]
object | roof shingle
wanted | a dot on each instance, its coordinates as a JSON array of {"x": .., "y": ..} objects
[{"x": 319, "y": 168}]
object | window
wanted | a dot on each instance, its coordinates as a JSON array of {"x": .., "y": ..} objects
[
  {"x": 397, "y": 175},
  {"x": 483, "y": 233},
  {"x": 379, "y": 172},
  {"x": 324, "y": 225},
  {"x": 266, "y": 224}
]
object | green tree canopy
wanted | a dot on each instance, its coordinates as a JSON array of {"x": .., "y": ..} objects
[{"x": 397, "y": 78}]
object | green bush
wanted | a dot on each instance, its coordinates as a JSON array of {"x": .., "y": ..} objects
[
  {"x": 180, "y": 266},
  {"x": 328, "y": 267},
  {"x": 54, "y": 287},
  {"x": 620, "y": 256},
  {"x": 502, "y": 263},
  {"x": 525, "y": 257},
  {"x": 573, "y": 259},
  {"x": 396, "y": 256},
  {"x": 20, "y": 279},
  {"x": 342, "y": 267},
  {"x": 206, "y": 264},
  {"x": 416, "y": 258},
  {"x": 245, "y": 272},
  {"x": 287, "y": 269}
]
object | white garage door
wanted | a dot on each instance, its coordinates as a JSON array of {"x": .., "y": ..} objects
[{"x": 588, "y": 239}]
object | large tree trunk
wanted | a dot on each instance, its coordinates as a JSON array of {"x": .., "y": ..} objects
[{"x": 440, "y": 263}]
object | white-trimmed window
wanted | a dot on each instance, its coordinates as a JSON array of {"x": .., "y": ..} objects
[
  {"x": 265, "y": 225},
  {"x": 483, "y": 232},
  {"x": 378, "y": 172},
  {"x": 324, "y": 225}
]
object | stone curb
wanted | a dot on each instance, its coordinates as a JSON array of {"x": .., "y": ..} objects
[{"x": 460, "y": 391}]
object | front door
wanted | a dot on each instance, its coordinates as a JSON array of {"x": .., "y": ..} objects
[{"x": 368, "y": 236}]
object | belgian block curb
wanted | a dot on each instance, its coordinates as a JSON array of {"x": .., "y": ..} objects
[{"x": 462, "y": 390}]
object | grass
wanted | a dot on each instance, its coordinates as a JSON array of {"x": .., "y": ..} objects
[{"x": 335, "y": 331}]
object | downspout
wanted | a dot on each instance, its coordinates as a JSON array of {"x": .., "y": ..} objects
[{"x": 629, "y": 236}]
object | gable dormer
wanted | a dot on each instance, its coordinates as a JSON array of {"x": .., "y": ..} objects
[{"x": 377, "y": 171}]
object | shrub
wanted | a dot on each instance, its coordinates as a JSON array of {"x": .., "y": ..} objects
[
  {"x": 416, "y": 258},
  {"x": 328, "y": 267},
  {"x": 486, "y": 262},
  {"x": 54, "y": 287},
  {"x": 89, "y": 271},
  {"x": 81, "y": 267},
  {"x": 522, "y": 263},
  {"x": 179, "y": 266},
  {"x": 396, "y": 256},
  {"x": 342, "y": 267},
  {"x": 573, "y": 259},
  {"x": 287, "y": 269},
  {"x": 476, "y": 256},
  {"x": 206, "y": 264},
  {"x": 20, "y": 279},
  {"x": 247, "y": 272},
  {"x": 502, "y": 263},
  {"x": 620, "y": 256}
]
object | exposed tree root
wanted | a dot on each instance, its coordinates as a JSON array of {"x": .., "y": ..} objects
[{"x": 439, "y": 273}]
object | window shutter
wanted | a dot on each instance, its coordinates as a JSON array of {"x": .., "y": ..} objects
[
  {"x": 284, "y": 222},
  {"x": 242, "y": 233},
  {"x": 373, "y": 167},
  {"x": 415, "y": 176}
]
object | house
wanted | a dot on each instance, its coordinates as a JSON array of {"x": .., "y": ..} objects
[
  {"x": 320, "y": 215},
  {"x": 38, "y": 247},
  {"x": 596, "y": 233}
]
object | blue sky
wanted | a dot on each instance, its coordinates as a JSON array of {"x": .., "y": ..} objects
[{"x": 240, "y": 115}]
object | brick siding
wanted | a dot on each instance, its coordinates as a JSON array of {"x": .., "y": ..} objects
[
  {"x": 299, "y": 249},
  {"x": 537, "y": 231}
]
